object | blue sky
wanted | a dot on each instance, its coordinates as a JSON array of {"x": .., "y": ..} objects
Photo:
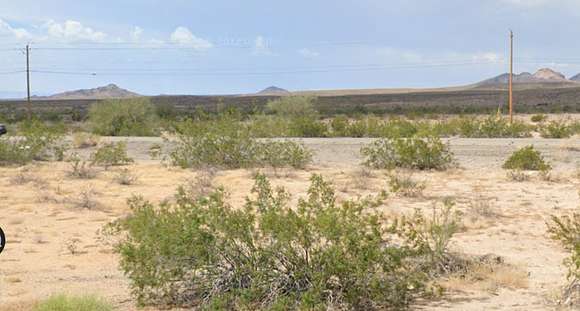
[{"x": 226, "y": 47}]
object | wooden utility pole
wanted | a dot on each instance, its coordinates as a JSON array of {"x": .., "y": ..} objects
[
  {"x": 29, "y": 103},
  {"x": 511, "y": 77}
]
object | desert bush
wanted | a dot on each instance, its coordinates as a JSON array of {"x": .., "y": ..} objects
[
  {"x": 86, "y": 199},
  {"x": 539, "y": 118},
  {"x": 555, "y": 129},
  {"x": 38, "y": 142},
  {"x": 80, "y": 168},
  {"x": 128, "y": 117},
  {"x": 405, "y": 185},
  {"x": 293, "y": 106},
  {"x": 566, "y": 230},
  {"x": 73, "y": 303},
  {"x": 85, "y": 140},
  {"x": 318, "y": 255},
  {"x": 527, "y": 159},
  {"x": 278, "y": 154},
  {"x": 228, "y": 146},
  {"x": 414, "y": 153},
  {"x": 125, "y": 178},
  {"x": 430, "y": 236},
  {"x": 497, "y": 127},
  {"x": 111, "y": 154}
]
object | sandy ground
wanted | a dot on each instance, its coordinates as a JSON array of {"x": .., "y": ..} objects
[{"x": 54, "y": 246}]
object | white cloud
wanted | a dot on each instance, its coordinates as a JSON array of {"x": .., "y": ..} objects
[
  {"x": 307, "y": 53},
  {"x": 73, "y": 31},
  {"x": 261, "y": 46},
  {"x": 18, "y": 33},
  {"x": 136, "y": 33},
  {"x": 490, "y": 57},
  {"x": 183, "y": 36}
]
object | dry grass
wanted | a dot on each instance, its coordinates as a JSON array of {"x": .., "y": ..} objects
[
  {"x": 125, "y": 177},
  {"x": 487, "y": 277},
  {"x": 405, "y": 185}
]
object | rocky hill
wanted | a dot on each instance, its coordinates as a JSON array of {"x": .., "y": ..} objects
[
  {"x": 542, "y": 76},
  {"x": 104, "y": 92},
  {"x": 273, "y": 90}
]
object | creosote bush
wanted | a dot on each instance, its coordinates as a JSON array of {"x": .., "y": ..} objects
[
  {"x": 566, "y": 230},
  {"x": 38, "y": 142},
  {"x": 111, "y": 154},
  {"x": 223, "y": 144},
  {"x": 527, "y": 159},
  {"x": 126, "y": 117},
  {"x": 321, "y": 254},
  {"x": 555, "y": 129},
  {"x": 413, "y": 153}
]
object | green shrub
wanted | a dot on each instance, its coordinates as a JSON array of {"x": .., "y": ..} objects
[
  {"x": 539, "y": 118},
  {"x": 73, "y": 303},
  {"x": 566, "y": 230},
  {"x": 555, "y": 129},
  {"x": 307, "y": 127},
  {"x": 430, "y": 236},
  {"x": 526, "y": 159},
  {"x": 279, "y": 154},
  {"x": 319, "y": 255},
  {"x": 38, "y": 142},
  {"x": 293, "y": 106},
  {"x": 414, "y": 153},
  {"x": 128, "y": 117},
  {"x": 111, "y": 154}
]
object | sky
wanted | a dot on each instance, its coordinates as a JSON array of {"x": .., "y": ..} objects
[{"x": 231, "y": 47}]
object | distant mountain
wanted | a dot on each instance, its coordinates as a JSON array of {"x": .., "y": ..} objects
[
  {"x": 104, "y": 92},
  {"x": 273, "y": 90},
  {"x": 575, "y": 78},
  {"x": 542, "y": 76}
]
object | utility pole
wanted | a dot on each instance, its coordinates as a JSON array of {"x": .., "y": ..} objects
[
  {"x": 511, "y": 77},
  {"x": 29, "y": 103}
]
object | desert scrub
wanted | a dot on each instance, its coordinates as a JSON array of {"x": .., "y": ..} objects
[
  {"x": 127, "y": 117},
  {"x": 38, "y": 142},
  {"x": 405, "y": 185},
  {"x": 268, "y": 255},
  {"x": 539, "y": 118},
  {"x": 527, "y": 159},
  {"x": 566, "y": 230},
  {"x": 430, "y": 236},
  {"x": 83, "y": 140},
  {"x": 231, "y": 147},
  {"x": 421, "y": 153},
  {"x": 278, "y": 154},
  {"x": 111, "y": 154},
  {"x": 555, "y": 129},
  {"x": 73, "y": 303}
]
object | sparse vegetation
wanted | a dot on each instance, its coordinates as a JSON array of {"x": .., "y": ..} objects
[
  {"x": 555, "y": 129},
  {"x": 38, "y": 142},
  {"x": 80, "y": 168},
  {"x": 527, "y": 159},
  {"x": 405, "y": 185},
  {"x": 111, "y": 154},
  {"x": 73, "y": 303},
  {"x": 539, "y": 118},
  {"x": 126, "y": 178},
  {"x": 413, "y": 153}
]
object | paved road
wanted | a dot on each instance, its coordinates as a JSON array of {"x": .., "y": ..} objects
[{"x": 470, "y": 153}]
